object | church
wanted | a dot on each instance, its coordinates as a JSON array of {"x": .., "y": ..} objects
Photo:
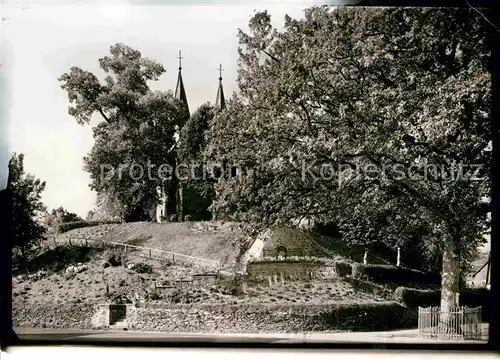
[{"x": 180, "y": 94}]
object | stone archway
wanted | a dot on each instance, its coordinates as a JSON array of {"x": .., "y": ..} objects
[{"x": 281, "y": 252}]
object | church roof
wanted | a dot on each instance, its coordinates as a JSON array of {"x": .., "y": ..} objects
[
  {"x": 180, "y": 91},
  {"x": 220, "y": 101}
]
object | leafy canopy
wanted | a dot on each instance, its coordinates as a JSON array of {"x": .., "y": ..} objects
[
  {"x": 27, "y": 206},
  {"x": 136, "y": 126},
  {"x": 404, "y": 91}
]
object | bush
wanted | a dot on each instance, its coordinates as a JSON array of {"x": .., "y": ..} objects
[
  {"x": 343, "y": 269},
  {"x": 417, "y": 297},
  {"x": 367, "y": 317},
  {"x": 114, "y": 257},
  {"x": 81, "y": 224},
  {"x": 394, "y": 274},
  {"x": 477, "y": 297},
  {"x": 142, "y": 268},
  {"x": 424, "y": 298}
]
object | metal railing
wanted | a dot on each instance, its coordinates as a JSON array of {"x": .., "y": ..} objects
[
  {"x": 289, "y": 252},
  {"x": 148, "y": 252},
  {"x": 458, "y": 323}
]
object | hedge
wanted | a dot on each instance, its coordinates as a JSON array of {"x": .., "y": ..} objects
[
  {"x": 81, "y": 224},
  {"x": 414, "y": 298},
  {"x": 394, "y": 274},
  {"x": 381, "y": 316},
  {"x": 417, "y": 297}
]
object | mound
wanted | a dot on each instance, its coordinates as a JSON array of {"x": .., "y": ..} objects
[{"x": 209, "y": 240}]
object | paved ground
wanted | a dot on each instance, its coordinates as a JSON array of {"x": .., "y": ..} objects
[{"x": 403, "y": 336}]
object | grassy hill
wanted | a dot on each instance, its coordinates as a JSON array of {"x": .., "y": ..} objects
[{"x": 209, "y": 240}]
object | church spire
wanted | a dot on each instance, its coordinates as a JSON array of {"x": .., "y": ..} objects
[
  {"x": 220, "y": 101},
  {"x": 180, "y": 92}
]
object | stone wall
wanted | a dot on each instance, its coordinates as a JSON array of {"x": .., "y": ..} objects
[
  {"x": 50, "y": 315},
  {"x": 100, "y": 318},
  {"x": 376, "y": 316},
  {"x": 272, "y": 317},
  {"x": 292, "y": 239},
  {"x": 289, "y": 271}
]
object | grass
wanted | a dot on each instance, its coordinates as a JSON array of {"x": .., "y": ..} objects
[{"x": 210, "y": 240}]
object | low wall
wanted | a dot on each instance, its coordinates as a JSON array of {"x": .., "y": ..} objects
[
  {"x": 226, "y": 318},
  {"x": 71, "y": 316},
  {"x": 260, "y": 271},
  {"x": 273, "y": 318}
]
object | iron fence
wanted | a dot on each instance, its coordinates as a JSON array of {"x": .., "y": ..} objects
[
  {"x": 144, "y": 251},
  {"x": 289, "y": 253},
  {"x": 458, "y": 323}
]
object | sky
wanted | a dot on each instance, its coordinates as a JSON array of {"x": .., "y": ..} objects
[{"x": 41, "y": 40}]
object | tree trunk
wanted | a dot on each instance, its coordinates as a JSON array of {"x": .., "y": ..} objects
[
  {"x": 398, "y": 260},
  {"x": 171, "y": 200},
  {"x": 24, "y": 260},
  {"x": 450, "y": 279},
  {"x": 180, "y": 204},
  {"x": 365, "y": 257}
]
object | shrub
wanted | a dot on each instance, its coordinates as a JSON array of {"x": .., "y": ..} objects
[
  {"x": 394, "y": 274},
  {"x": 142, "y": 268},
  {"x": 417, "y": 297},
  {"x": 424, "y": 298},
  {"x": 114, "y": 257},
  {"x": 64, "y": 227},
  {"x": 343, "y": 269},
  {"x": 366, "y": 317},
  {"x": 478, "y": 297}
]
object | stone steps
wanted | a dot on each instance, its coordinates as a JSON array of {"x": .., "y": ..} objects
[{"x": 119, "y": 324}]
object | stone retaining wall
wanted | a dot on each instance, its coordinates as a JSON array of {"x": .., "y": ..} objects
[
  {"x": 376, "y": 316},
  {"x": 261, "y": 271},
  {"x": 50, "y": 315},
  {"x": 272, "y": 318}
]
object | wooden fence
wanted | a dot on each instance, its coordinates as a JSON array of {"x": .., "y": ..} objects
[
  {"x": 146, "y": 252},
  {"x": 459, "y": 323}
]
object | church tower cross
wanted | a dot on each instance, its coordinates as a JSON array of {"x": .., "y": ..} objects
[
  {"x": 220, "y": 71},
  {"x": 180, "y": 60}
]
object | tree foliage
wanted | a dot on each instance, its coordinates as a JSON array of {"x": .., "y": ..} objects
[
  {"x": 27, "y": 207},
  {"x": 199, "y": 184},
  {"x": 365, "y": 117},
  {"x": 135, "y": 135},
  {"x": 59, "y": 216}
]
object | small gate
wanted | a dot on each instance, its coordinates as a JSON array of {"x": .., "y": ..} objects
[{"x": 117, "y": 313}]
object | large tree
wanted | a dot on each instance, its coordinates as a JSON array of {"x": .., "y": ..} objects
[
  {"x": 365, "y": 113},
  {"x": 27, "y": 207},
  {"x": 134, "y": 136}
]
